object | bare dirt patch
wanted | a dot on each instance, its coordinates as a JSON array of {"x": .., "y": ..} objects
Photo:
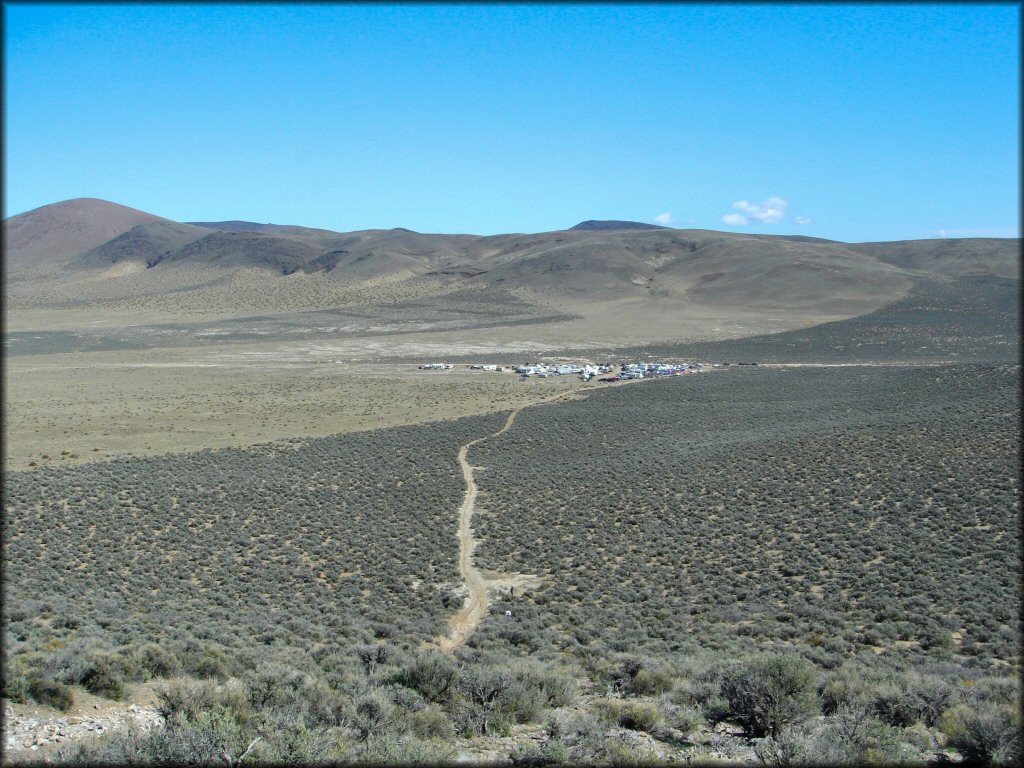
[
  {"x": 86, "y": 407},
  {"x": 33, "y": 732}
]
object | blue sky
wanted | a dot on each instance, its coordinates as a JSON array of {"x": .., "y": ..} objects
[{"x": 851, "y": 122}]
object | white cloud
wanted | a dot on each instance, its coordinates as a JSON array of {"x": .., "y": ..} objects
[
  {"x": 771, "y": 210},
  {"x": 664, "y": 218},
  {"x": 801, "y": 220},
  {"x": 768, "y": 211}
]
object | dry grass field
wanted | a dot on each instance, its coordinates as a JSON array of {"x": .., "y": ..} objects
[
  {"x": 91, "y": 382},
  {"x": 61, "y": 410}
]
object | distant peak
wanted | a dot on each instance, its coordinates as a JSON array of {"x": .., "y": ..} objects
[{"x": 594, "y": 225}]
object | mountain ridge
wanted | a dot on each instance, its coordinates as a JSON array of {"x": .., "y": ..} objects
[{"x": 594, "y": 262}]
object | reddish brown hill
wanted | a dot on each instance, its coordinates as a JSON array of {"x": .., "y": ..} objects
[{"x": 41, "y": 239}]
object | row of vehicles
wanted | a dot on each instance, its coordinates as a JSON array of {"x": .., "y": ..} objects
[
  {"x": 627, "y": 371},
  {"x": 588, "y": 371},
  {"x": 649, "y": 370},
  {"x": 543, "y": 371}
]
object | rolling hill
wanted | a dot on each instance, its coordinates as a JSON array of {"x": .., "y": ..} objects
[
  {"x": 971, "y": 255},
  {"x": 91, "y": 251},
  {"x": 39, "y": 240}
]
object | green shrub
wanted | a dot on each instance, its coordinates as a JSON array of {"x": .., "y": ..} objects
[
  {"x": 649, "y": 682},
  {"x": 433, "y": 674},
  {"x": 185, "y": 700},
  {"x": 372, "y": 714},
  {"x": 853, "y": 737},
  {"x": 934, "y": 696},
  {"x": 536, "y": 686},
  {"x": 560, "y": 689},
  {"x": 102, "y": 680},
  {"x": 622, "y": 751},
  {"x": 15, "y": 684},
  {"x": 922, "y": 737},
  {"x": 843, "y": 687},
  {"x": 288, "y": 741},
  {"x": 51, "y": 693},
  {"x": 640, "y": 716},
  {"x": 704, "y": 690},
  {"x": 607, "y": 710},
  {"x": 896, "y": 706},
  {"x": 524, "y": 701},
  {"x": 494, "y": 698},
  {"x": 989, "y": 735},
  {"x": 432, "y": 723},
  {"x": 995, "y": 690},
  {"x": 407, "y": 750},
  {"x": 790, "y": 746},
  {"x": 191, "y": 702},
  {"x": 904, "y": 700},
  {"x": 534, "y": 755},
  {"x": 159, "y": 661},
  {"x": 101, "y": 673},
  {"x": 628, "y": 713},
  {"x": 268, "y": 685},
  {"x": 683, "y": 717},
  {"x": 770, "y": 692}
]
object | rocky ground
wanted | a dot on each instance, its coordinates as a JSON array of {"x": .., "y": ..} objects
[{"x": 34, "y": 733}]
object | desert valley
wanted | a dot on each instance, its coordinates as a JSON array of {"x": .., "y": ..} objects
[{"x": 244, "y": 521}]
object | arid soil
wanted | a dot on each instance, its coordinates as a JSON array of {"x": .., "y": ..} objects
[
  {"x": 74, "y": 408},
  {"x": 36, "y": 733}
]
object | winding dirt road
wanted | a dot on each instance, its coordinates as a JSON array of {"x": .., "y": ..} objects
[{"x": 462, "y": 624}]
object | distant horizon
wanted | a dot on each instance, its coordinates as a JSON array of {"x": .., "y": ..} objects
[
  {"x": 509, "y": 232},
  {"x": 854, "y": 123}
]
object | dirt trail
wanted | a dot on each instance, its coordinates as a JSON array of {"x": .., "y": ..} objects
[{"x": 462, "y": 624}]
